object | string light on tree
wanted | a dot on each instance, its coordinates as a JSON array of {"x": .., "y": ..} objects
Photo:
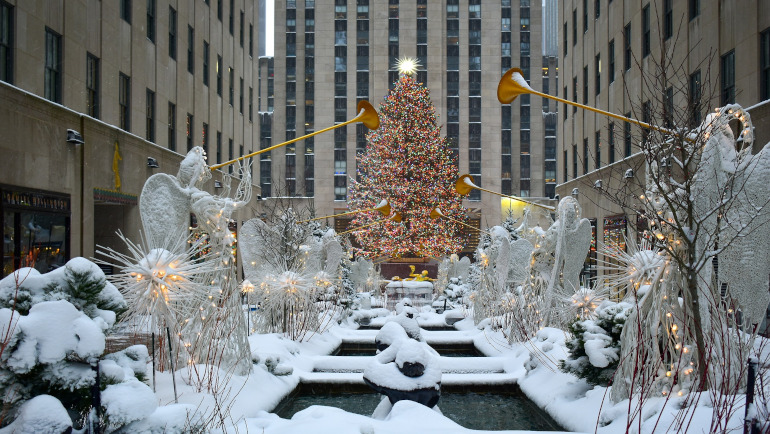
[{"x": 408, "y": 163}]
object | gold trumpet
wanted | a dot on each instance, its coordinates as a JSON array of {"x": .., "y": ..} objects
[
  {"x": 436, "y": 213},
  {"x": 366, "y": 115},
  {"x": 383, "y": 207},
  {"x": 396, "y": 217},
  {"x": 464, "y": 185},
  {"x": 513, "y": 84}
]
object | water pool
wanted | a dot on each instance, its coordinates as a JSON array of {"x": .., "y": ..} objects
[
  {"x": 502, "y": 407},
  {"x": 446, "y": 350}
]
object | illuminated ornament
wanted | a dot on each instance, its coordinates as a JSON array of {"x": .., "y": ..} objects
[
  {"x": 407, "y": 65},
  {"x": 161, "y": 285}
]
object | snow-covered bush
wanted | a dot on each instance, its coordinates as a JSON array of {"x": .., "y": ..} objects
[
  {"x": 54, "y": 338},
  {"x": 80, "y": 282},
  {"x": 595, "y": 345}
]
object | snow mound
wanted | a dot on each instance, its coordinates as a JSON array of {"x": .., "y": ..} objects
[
  {"x": 128, "y": 402},
  {"x": 52, "y": 331},
  {"x": 42, "y": 414}
]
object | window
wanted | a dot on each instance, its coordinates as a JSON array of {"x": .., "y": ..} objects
[
  {"x": 232, "y": 16},
  {"x": 727, "y": 78},
  {"x": 172, "y": 126},
  {"x": 764, "y": 65},
  {"x": 205, "y": 138},
  {"x": 251, "y": 40},
  {"x": 598, "y": 150},
  {"x": 565, "y": 39},
  {"x": 574, "y": 92},
  {"x": 240, "y": 97},
  {"x": 124, "y": 101},
  {"x": 190, "y": 50},
  {"x": 598, "y": 81},
  {"x": 597, "y": 9},
  {"x": 627, "y": 136},
  {"x": 219, "y": 147},
  {"x": 230, "y": 151},
  {"x": 189, "y": 133},
  {"x": 219, "y": 13},
  {"x": 646, "y": 118},
  {"x": 151, "y": 20},
  {"x": 172, "y": 33},
  {"x": 585, "y": 84},
  {"x": 53, "y": 67},
  {"x": 646, "y": 31},
  {"x": 574, "y": 162},
  {"x": 668, "y": 19},
  {"x": 6, "y": 42},
  {"x": 219, "y": 75},
  {"x": 627, "y": 47},
  {"x": 241, "y": 30},
  {"x": 231, "y": 74},
  {"x": 92, "y": 85},
  {"x": 695, "y": 98},
  {"x": 585, "y": 16},
  {"x": 150, "y": 116},
  {"x": 565, "y": 174},
  {"x": 611, "y": 60},
  {"x": 694, "y": 8},
  {"x": 611, "y": 142},
  {"x": 251, "y": 104},
  {"x": 205, "y": 63},
  {"x": 565, "y": 104},
  {"x": 125, "y": 10},
  {"x": 585, "y": 155}
]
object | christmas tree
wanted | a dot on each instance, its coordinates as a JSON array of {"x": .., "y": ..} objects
[{"x": 409, "y": 164}]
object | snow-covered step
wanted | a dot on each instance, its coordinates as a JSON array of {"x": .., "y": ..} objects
[
  {"x": 449, "y": 365},
  {"x": 446, "y": 379},
  {"x": 332, "y": 377},
  {"x": 478, "y": 379}
]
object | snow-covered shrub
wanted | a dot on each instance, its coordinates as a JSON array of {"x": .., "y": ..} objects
[
  {"x": 595, "y": 346},
  {"x": 55, "y": 327},
  {"x": 80, "y": 282},
  {"x": 457, "y": 291}
]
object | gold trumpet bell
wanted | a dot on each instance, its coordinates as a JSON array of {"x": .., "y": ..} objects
[
  {"x": 464, "y": 185},
  {"x": 383, "y": 207},
  {"x": 396, "y": 217},
  {"x": 369, "y": 117},
  {"x": 511, "y": 85},
  {"x": 435, "y": 213}
]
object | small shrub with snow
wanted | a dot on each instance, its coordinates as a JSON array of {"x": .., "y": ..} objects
[
  {"x": 595, "y": 345},
  {"x": 56, "y": 324}
]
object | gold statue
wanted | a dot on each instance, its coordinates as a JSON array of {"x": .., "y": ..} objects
[
  {"x": 422, "y": 277},
  {"x": 115, "y": 166}
]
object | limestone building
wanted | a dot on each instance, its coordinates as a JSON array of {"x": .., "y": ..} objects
[
  {"x": 610, "y": 55},
  {"x": 330, "y": 54},
  {"x": 136, "y": 79}
]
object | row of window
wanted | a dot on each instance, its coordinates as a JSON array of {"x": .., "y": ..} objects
[{"x": 667, "y": 12}]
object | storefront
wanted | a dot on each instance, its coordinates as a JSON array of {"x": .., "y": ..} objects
[{"x": 36, "y": 229}]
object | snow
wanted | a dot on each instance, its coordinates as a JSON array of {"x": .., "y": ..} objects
[
  {"x": 42, "y": 414},
  {"x": 129, "y": 401},
  {"x": 51, "y": 331}
]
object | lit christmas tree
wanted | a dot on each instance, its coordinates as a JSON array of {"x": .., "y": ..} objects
[{"x": 409, "y": 164}]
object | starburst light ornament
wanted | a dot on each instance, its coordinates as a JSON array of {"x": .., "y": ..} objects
[
  {"x": 162, "y": 285},
  {"x": 407, "y": 65}
]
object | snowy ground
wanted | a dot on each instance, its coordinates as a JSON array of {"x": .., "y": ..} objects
[{"x": 574, "y": 404}]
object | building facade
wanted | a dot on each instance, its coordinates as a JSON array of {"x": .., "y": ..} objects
[
  {"x": 611, "y": 54},
  {"x": 135, "y": 79},
  {"x": 330, "y": 54}
]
